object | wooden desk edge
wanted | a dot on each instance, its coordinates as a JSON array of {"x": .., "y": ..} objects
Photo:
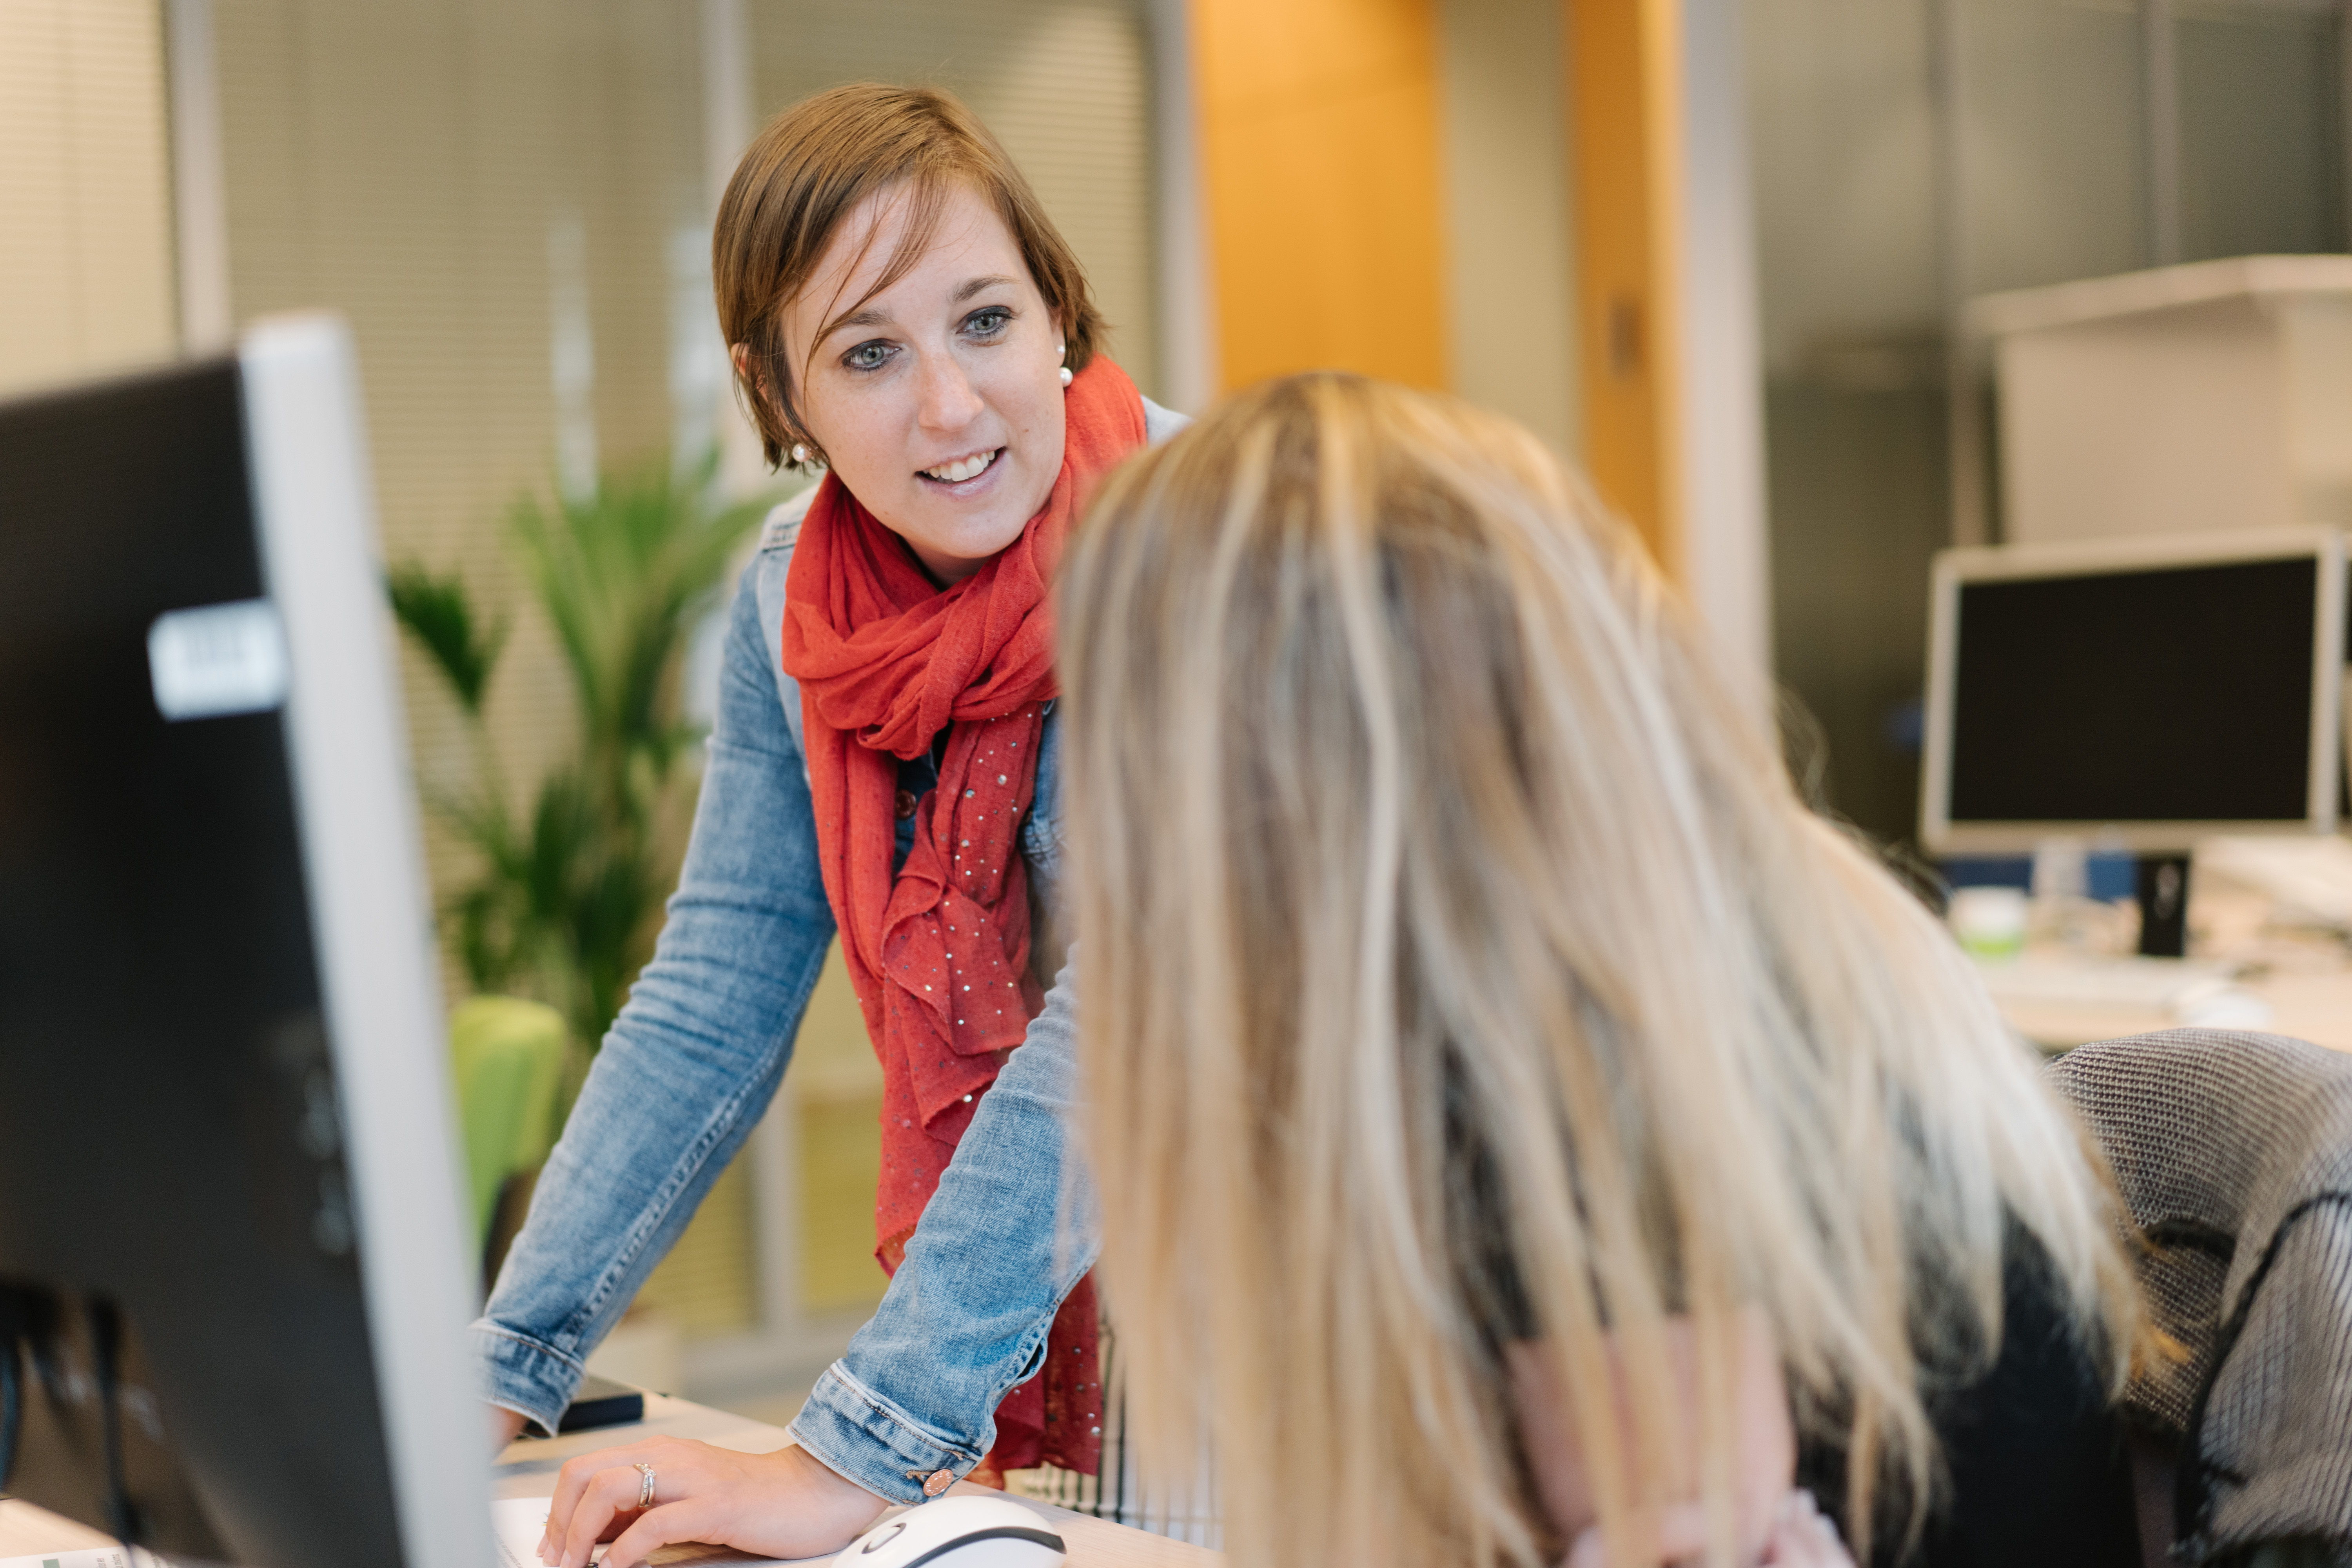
[
  {"x": 28, "y": 1530},
  {"x": 527, "y": 1470},
  {"x": 2317, "y": 1007}
]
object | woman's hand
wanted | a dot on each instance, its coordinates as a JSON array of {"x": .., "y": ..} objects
[
  {"x": 506, "y": 1425},
  {"x": 784, "y": 1504},
  {"x": 1801, "y": 1537}
]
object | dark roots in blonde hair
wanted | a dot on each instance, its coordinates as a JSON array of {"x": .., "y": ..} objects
[{"x": 809, "y": 170}]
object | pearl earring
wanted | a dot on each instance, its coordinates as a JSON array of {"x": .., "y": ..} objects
[
  {"x": 1068, "y": 375},
  {"x": 800, "y": 453}
]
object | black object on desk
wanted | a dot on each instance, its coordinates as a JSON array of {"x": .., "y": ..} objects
[
  {"x": 601, "y": 1401},
  {"x": 2162, "y": 884}
]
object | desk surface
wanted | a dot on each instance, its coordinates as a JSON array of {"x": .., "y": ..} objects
[
  {"x": 527, "y": 1470},
  {"x": 2315, "y": 1008},
  {"x": 26, "y": 1530}
]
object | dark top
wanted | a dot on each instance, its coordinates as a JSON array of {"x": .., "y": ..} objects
[
  {"x": 2034, "y": 1452},
  {"x": 2034, "y": 1456}
]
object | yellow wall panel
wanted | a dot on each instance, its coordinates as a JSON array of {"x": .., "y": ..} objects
[
  {"x": 1319, "y": 149},
  {"x": 1624, "y": 59}
]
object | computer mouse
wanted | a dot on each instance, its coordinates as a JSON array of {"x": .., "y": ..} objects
[
  {"x": 957, "y": 1533},
  {"x": 2216, "y": 1005}
]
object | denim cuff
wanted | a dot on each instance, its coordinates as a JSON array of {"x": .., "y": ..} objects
[
  {"x": 523, "y": 1375},
  {"x": 867, "y": 1439}
]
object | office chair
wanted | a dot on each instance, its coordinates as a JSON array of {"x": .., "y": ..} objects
[{"x": 2233, "y": 1152}]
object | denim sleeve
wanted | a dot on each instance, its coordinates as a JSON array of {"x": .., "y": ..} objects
[
  {"x": 692, "y": 1061},
  {"x": 1009, "y": 1233}
]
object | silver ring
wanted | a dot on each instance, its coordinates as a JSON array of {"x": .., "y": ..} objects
[{"x": 646, "y": 1488}]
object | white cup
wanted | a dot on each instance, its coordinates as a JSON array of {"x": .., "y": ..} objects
[{"x": 1989, "y": 922}]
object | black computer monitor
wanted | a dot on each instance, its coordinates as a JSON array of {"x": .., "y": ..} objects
[
  {"x": 2150, "y": 692},
  {"x": 2143, "y": 693},
  {"x": 233, "y": 1286}
]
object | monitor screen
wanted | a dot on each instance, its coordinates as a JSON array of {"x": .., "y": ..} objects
[
  {"x": 232, "y": 1274},
  {"x": 2173, "y": 694}
]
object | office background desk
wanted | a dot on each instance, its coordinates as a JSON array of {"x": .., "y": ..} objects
[
  {"x": 527, "y": 1470},
  {"x": 2315, "y": 1008}
]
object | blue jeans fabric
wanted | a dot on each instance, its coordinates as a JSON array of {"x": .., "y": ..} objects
[{"x": 690, "y": 1066}]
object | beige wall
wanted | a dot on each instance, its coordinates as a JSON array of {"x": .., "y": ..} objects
[
  {"x": 1510, "y": 291},
  {"x": 506, "y": 198},
  {"x": 85, "y": 190},
  {"x": 461, "y": 180}
]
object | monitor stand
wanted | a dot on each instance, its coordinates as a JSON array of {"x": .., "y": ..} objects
[{"x": 2162, "y": 882}]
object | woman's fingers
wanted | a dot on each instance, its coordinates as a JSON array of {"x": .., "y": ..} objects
[
  {"x": 1803, "y": 1537},
  {"x": 782, "y": 1504},
  {"x": 656, "y": 1528},
  {"x": 572, "y": 1483},
  {"x": 608, "y": 1495},
  {"x": 1681, "y": 1535},
  {"x": 572, "y": 1480}
]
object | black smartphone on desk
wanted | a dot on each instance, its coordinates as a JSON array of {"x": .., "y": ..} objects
[{"x": 601, "y": 1401}]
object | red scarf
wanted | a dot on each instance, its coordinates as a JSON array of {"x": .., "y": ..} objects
[{"x": 939, "y": 956}]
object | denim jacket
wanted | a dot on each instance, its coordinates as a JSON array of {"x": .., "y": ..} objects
[{"x": 693, "y": 1059}]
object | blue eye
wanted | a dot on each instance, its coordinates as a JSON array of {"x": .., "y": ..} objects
[
  {"x": 988, "y": 322},
  {"x": 867, "y": 355}
]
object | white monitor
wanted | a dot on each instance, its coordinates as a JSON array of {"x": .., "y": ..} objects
[
  {"x": 234, "y": 1275},
  {"x": 2144, "y": 692}
]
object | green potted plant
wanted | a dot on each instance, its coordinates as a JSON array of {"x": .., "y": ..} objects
[
  {"x": 563, "y": 900},
  {"x": 571, "y": 872}
]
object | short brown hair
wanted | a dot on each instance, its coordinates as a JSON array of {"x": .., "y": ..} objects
[{"x": 810, "y": 168}]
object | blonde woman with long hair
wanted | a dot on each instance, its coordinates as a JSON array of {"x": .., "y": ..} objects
[{"x": 1521, "y": 1125}]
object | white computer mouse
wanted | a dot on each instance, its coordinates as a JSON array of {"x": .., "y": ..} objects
[
  {"x": 958, "y": 1532},
  {"x": 2216, "y": 1005}
]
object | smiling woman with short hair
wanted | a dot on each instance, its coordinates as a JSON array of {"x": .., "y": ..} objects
[{"x": 903, "y": 315}]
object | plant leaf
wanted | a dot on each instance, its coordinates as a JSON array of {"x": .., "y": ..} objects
[
  {"x": 439, "y": 614},
  {"x": 568, "y": 898}
]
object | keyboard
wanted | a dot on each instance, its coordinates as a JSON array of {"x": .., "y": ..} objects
[
  {"x": 2309, "y": 879},
  {"x": 2182, "y": 991}
]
